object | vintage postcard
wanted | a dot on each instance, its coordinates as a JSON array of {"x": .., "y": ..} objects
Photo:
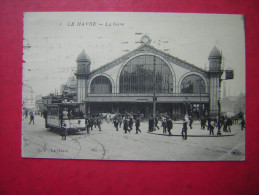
[{"x": 134, "y": 86}]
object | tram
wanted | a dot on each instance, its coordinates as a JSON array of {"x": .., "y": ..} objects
[{"x": 67, "y": 116}]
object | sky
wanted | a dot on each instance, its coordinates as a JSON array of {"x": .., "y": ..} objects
[{"x": 53, "y": 40}]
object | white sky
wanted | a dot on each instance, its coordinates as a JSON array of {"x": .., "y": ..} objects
[{"x": 54, "y": 45}]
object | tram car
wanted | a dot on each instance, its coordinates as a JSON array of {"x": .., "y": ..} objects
[{"x": 63, "y": 116}]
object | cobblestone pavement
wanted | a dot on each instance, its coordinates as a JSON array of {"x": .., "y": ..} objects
[{"x": 109, "y": 144}]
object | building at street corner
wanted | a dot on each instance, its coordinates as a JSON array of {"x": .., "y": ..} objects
[
  {"x": 127, "y": 83},
  {"x": 28, "y": 98}
]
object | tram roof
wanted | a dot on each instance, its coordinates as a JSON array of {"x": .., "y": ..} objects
[{"x": 64, "y": 104}]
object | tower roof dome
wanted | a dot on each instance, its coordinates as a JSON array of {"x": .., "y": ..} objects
[
  {"x": 83, "y": 57},
  {"x": 215, "y": 52}
]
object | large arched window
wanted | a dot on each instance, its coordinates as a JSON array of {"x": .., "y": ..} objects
[
  {"x": 101, "y": 85},
  {"x": 137, "y": 76},
  {"x": 193, "y": 84}
]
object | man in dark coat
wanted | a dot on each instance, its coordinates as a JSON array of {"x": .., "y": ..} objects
[
  {"x": 150, "y": 124},
  {"x": 190, "y": 122},
  {"x": 116, "y": 124},
  {"x": 156, "y": 123},
  {"x": 31, "y": 118},
  {"x": 229, "y": 123},
  {"x": 64, "y": 131},
  {"x": 91, "y": 123},
  {"x": 184, "y": 130},
  {"x": 98, "y": 123},
  {"x": 164, "y": 125},
  {"x": 45, "y": 116},
  {"x": 131, "y": 122},
  {"x": 87, "y": 125},
  {"x": 242, "y": 123},
  {"x": 169, "y": 125},
  {"x": 137, "y": 125},
  {"x": 125, "y": 125}
]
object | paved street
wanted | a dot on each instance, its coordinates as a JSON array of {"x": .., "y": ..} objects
[{"x": 108, "y": 144}]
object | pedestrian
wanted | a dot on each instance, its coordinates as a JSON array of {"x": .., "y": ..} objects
[
  {"x": 137, "y": 125},
  {"x": 184, "y": 130},
  {"x": 190, "y": 122},
  {"x": 225, "y": 125},
  {"x": 131, "y": 122},
  {"x": 169, "y": 125},
  {"x": 45, "y": 116},
  {"x": 156, "y": 122},
  {"x": 125, "y": 125},
  {"x": 208, "y": 121},
  {"x": 64, "y": 131},
  {"x": 31, "y": 118},
  {"x": 242, "y": 123},
  {"x": 120, "y": 120},
  {"x": 203, "y": 123},
  {"x": 98, "y": 123},
  {"x": 116, "y": 124},
  {"x": 87, "y": 124},
  {"x": 91, "y": 122},
  {"x": 229, "y": 123},
  {"x": 95, "y": 121},
  {"x": 164, "y": 125},
  {"x": 150, "y": 124},
  {"x": 211, "y": 128}
]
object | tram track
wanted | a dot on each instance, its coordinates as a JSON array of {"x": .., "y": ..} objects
[
  {"x": 96, "y": 141},
  {"x": 104, "y": 151},
  {"x": 80, "y": 147}
]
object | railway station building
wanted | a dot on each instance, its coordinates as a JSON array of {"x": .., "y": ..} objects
[{"x": 127, "y": 83}]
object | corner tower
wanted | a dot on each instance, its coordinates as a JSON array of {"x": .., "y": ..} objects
[
  {"x": 82, "y": 74},
  {"x": 215, "y": 73}
]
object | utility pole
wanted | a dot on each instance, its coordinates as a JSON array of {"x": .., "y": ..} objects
[
  {"x": 219, "y": 106},
  {"x": 154, "y": 92},
  {"x": 200, "y": 103}
]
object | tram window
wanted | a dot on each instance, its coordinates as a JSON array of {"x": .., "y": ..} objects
[{"x": 65, "y": 113}]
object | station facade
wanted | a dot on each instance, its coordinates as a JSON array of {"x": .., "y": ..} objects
[{"x": 127, "y": 84}]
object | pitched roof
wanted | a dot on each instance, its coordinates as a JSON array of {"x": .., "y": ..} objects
[
  {"x": 83, "y": 57},
  {"x": 146, "y": 48}
]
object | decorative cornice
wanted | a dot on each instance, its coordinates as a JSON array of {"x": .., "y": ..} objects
[{"x": 82, "y": 75}]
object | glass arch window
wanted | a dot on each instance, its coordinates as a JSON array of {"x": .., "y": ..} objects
[
  {"x": 137, "y": 76},
  {"x": 101, "y": 85},
  {"x": 193, "y": 84}
]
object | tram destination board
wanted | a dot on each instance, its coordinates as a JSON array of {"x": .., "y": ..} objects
[{"x": 134, "y": 86}]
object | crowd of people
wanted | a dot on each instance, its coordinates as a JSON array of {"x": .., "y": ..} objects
[
  {"x": 125, "y": 121},
  {"x": 224, "y": 122},
  {"x": 167, "y": 124},
  {"x": 128, "y": 121}
]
